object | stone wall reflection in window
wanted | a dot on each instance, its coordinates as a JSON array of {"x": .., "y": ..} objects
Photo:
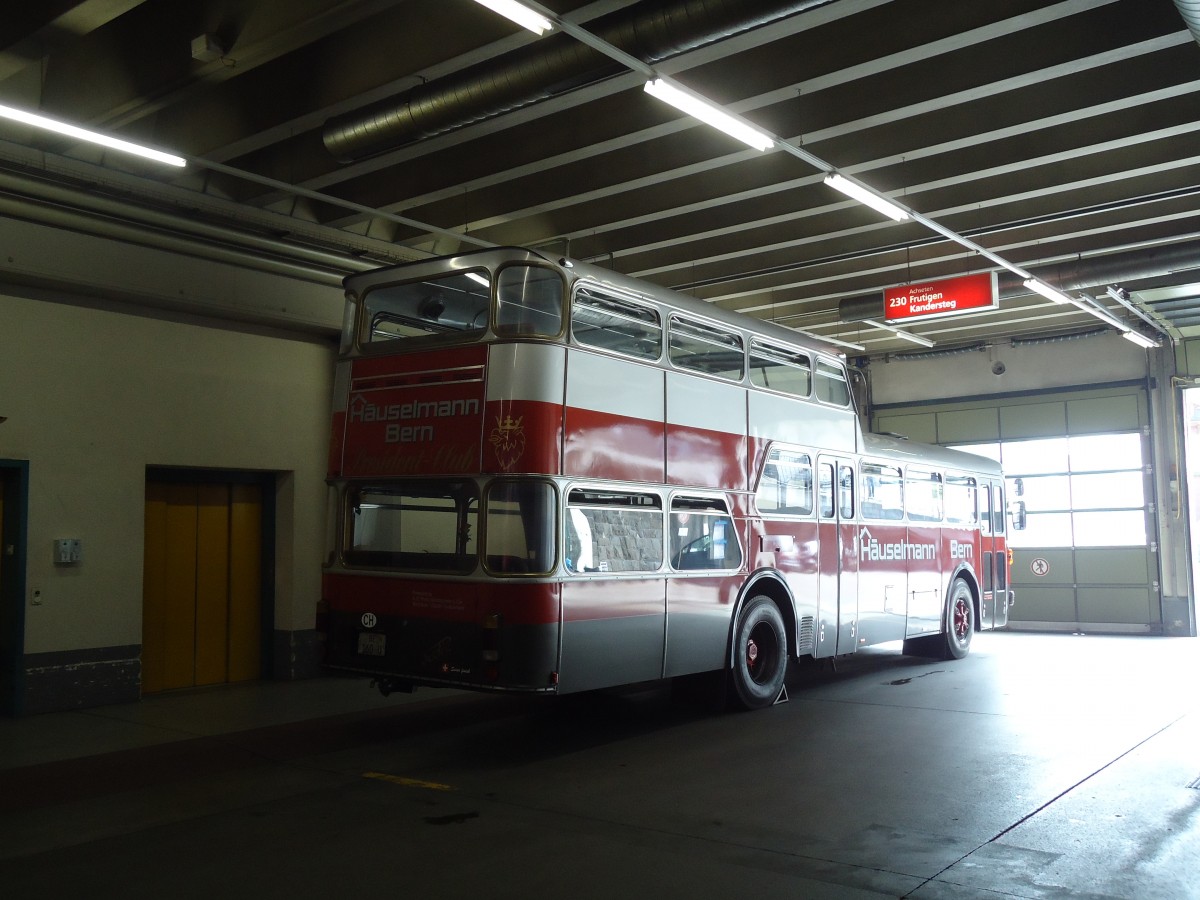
[{"x": 610, "y": 531}]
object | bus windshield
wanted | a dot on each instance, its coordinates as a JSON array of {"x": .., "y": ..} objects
[{"x": 528, "y": 302}]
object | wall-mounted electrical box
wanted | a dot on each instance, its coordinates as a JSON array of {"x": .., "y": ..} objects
[{"x": 68, "y": 552}]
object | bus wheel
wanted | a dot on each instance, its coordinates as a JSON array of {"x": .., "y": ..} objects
[
  {"x": 960, "y": 621},
  {"x": 759, "y": 655}
]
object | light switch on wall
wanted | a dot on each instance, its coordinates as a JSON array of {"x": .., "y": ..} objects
[{"x": 68, "y": 551}]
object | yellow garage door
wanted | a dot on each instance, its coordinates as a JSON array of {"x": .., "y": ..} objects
[{"x": 202, "y": 587}]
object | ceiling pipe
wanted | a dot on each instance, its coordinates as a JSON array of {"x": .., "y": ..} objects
[
  {"x": 545, "y": 68},
  {"x": 1113, "y": 268},
  {"x": 1190, "y": 10}
]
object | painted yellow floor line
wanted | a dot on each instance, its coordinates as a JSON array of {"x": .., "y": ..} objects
[{"x": 408, "y": 782}]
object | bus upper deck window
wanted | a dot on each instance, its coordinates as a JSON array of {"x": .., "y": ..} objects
[
  {"x": 780, "y": 369},
  {"x": 700, "y": 347},
  {"x": 831, "y": 384},
  {"x": 529, "y": 301},
  {"x": 453, "y": 306},
  {"x": 614, "y": 323}
]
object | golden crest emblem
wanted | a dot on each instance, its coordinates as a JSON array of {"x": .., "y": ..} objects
[{"x": 508, "y": 441}]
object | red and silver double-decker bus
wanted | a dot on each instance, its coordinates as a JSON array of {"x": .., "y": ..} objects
[{"x": 552, "y": 478}]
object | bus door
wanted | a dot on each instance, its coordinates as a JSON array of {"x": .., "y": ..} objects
[
  {"x": 924, "y": 500},
  {"x": 837, "y": 629},
  {"x": 882, "y": 569},
  {"x": 993, "y": 566}
]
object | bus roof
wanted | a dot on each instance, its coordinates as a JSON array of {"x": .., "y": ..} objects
[
  {"x": 896, "y": 447},
  {"x": 490, "y": 258}
]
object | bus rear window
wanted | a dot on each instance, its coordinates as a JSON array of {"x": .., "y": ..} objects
[
  {"x": 454, "y": 305},
  {"x": 616, "y": 324},
  {"x": 420, "y": 526}
]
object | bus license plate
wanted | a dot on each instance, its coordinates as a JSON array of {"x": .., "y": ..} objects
[{"x": 370, "y": 644}]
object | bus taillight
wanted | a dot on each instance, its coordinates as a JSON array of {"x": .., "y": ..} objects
[
  {"x": 491, "y": 638},
  {"x": 1010, "y": 557}
]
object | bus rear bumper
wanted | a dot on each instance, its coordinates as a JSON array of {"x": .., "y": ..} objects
[{"x": 402, "y": 653}]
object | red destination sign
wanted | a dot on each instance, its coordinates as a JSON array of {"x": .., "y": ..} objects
[{"x": 947, "y": 297}]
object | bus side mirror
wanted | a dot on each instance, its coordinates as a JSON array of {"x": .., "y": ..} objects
[
  {"x": 1018, "y": 487},
  {"x": 1017, "y": 513}
]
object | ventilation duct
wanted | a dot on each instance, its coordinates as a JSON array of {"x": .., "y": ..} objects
[
  {"x": 1190, "y": 10},
  {"x": 1113, "y": 268},
  {"x": 651, "y": 32}
]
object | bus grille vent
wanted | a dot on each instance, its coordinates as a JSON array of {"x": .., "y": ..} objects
[{"x": 806, "y": 635}]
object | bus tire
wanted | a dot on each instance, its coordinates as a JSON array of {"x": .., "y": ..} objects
[
  {"x": 960, "y": 620},
  {"x": 760, "y": 655}
]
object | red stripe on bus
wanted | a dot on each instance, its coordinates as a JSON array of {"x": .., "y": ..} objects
[
  {"x": 604, "y": 445},
  {"x": 526, "y": 603}
]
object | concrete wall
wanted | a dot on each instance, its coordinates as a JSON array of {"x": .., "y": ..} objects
[
  {"x": 92, "y": 398},
  {"x": 1001, "y": 369}
]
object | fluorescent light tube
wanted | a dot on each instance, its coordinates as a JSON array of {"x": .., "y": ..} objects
[
  {"x": 900, "y": 333},
  {"x": 92, "y": 137},
  {"x": 522, "y": 15},
  {"x": 1046, "y": 291},
  {"x": 701, "y": 109},
  {"x": 863, "y": 195},
  {"x": 1140, "y": 339}
]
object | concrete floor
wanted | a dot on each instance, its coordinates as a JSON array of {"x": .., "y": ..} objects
[{"x": 1041, "y": 766}]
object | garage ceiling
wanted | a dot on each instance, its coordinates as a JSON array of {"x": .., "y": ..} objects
[{"x": 337, "y": 134}]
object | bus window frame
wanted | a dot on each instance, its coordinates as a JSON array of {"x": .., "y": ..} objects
[
  {"x": 844, "y": 379},
  {"x": 712, "y": 506},
  {"x": 363, "y": 327},
  {"x": 702, "y": 331},
  {"x": 784, "y": 357},
  {"x": 659, "y": 506},
  {"x": 494, "y": 289},
  {"x": 554, "y": 532},
  {"x": 602, "y": 293},
  {"x": 356, "y": 489},
  {"x": 810, "y": 465}
]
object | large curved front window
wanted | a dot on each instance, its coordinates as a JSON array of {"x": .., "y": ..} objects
[
  {"x": 529, "y": 301},
  {"x": 453, "y": 305}
]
